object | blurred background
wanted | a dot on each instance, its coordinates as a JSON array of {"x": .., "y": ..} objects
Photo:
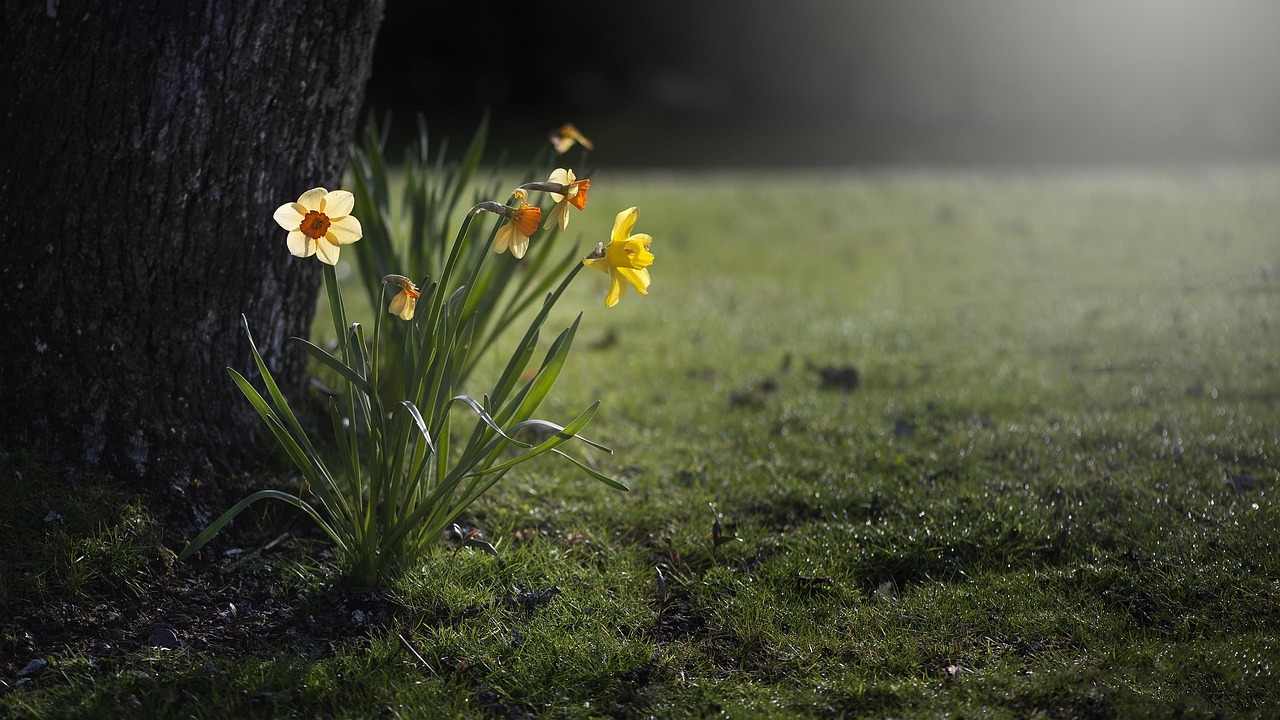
[{"x": 750, "y": 83}]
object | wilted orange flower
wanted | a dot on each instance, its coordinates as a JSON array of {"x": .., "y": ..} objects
[
  {"x": 575, "y": 193},
  {"x": 566, "y": 136},
  {"x": 319, "y": 223},
  {"x": 406, "y": 300}
]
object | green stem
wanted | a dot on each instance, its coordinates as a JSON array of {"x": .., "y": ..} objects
[
  {"x": 442, "y": 292},
  {"x": 336, "y": 309}
]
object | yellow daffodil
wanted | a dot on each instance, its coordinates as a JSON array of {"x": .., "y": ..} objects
[
  {"x": 406, "y": 300},
  {"x": 575, "y": 193},
  {"x": 320, "y": 223},
  {"x": 521, "y": 223},
  {"x": 566, "y": 136},
  {"x": 625, "y": 259}
]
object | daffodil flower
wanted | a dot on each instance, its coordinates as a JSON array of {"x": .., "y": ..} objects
[
  {"x": 625, "y": 259},
  {"x": 566, "y": 136},
  {"x": 575, "y": 193},
  {"x": 521, "y": 223},
  {"x": 406, "y": 300},
  {"x": 320, "y": 223}
]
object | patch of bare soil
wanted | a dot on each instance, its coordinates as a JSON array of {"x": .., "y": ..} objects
[{"x": 225, "y": 605}]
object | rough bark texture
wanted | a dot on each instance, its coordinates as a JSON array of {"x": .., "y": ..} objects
[{"x": 145, "y": 145}]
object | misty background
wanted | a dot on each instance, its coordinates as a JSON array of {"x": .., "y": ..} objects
[{"x": 739, "y": 83}]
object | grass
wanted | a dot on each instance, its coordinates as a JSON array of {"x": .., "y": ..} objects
[{"x": 1052, "y": 492}]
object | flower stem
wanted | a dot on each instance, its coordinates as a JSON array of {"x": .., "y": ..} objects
[{"x": 336, "y": 309}]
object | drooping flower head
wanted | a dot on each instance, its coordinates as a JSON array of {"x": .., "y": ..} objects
[
  {"x": 406, "y": 300},
  {"x": 575, "y": 193},
  {"x": 521, "y": 223},
  {"x": 625, "y": 259},
  {"x": 320, "y": 223},
  {"x": 566, "y": 136}
]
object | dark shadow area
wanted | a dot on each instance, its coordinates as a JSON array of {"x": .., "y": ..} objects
[{"x": 743, "y": 83}]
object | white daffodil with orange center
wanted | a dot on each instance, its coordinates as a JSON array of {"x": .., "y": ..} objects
[
  {"x": 566, "y": 137},
  {"x": 405, "y": 301},
  {"x": 521, "y": 223},
  {"x": 575, "y": 194},
  {"x": 625, "y": 259},
  {"x": 320, "y": 223}
]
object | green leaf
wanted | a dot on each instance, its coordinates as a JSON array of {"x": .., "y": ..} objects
[
  {"x": 569, "y": 432},
  {"x": 333, "y": 363},
  {"x": 218, "y": 524},
  {"x": 592, "y": 471},
  {"x": 419, "y": 422},
  {"x": 277, "y": 398},
  {"x": 526, "y": 403}
]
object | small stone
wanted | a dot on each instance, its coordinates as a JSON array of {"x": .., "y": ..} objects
[
  {"x": 164, "y": 637},
  {"x": 33, "y": 668}
]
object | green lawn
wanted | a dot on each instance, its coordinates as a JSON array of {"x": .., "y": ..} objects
[{"x": 1051, "y": 493}]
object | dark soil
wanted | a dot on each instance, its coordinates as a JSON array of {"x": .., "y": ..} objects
[
  {"x": 210, "y": 608},
  {"x": 227, "y": 600}
]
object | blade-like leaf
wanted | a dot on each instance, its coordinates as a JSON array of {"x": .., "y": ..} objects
[
  {"x": 218, "y": 524},
  {"x": 333, "y": 363}
]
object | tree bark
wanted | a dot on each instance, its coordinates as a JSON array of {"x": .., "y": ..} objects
[{"x": 146, "y": 144}]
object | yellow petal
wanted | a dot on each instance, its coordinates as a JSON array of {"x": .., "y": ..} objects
[
  {"x": 287, "y": 216},
  {"x": 311, "y": 198},
  {"x": 327, "y": 252},
  {"x": 623, "y": 223},
  {"x": 338, "y": 203},
  {"x": 301, "y": 245},
  {"x": 639, "y": 279},
  {"x": 398, "y": 303},
  {"x": 402, "y": 305},
  {"x": 640, "y": 255},
  {"x": 601, "y": 264},
  {"x": 345, "y": 231},
  {"x": 643, "y": 239},
  {"x": 617, "y": 288}
]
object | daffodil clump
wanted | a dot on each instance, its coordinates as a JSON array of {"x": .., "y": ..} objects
[{"x": 410, "y": 449}]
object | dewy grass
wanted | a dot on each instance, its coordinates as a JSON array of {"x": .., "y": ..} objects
[{"x": 1050, "y": 493}]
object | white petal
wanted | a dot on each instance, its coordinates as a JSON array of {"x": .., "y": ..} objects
[
  {"x": 311, "y": 198},
  {"x": 559, "y": 214},
  {"x": 502, "y": 240},
  {"x": 345, "y": 231},
  {"x": 519, "y": 245},
  {"x": 287, "y": 216},
  {"x": 338, "y": 203},
  {"x": 301, "y": 245},
  {"x": 327, "y": 251}
]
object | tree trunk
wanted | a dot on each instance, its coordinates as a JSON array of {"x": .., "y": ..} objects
[{"x": 146, "y": 144}]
